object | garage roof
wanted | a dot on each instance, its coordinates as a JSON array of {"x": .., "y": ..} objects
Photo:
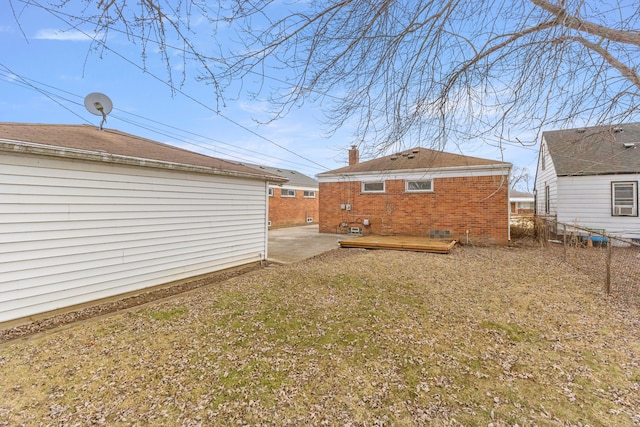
[{"x": 112, "y": 146}]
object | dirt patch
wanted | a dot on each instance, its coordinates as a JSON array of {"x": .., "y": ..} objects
[{"x": 46, "y": 323}]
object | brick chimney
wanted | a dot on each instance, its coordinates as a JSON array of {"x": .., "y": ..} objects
[{"x": 354, "y": 155}]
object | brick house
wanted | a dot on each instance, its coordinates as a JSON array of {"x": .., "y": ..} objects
[
  {"x": 293, "y": 203},
  {"x": 521, "y": 203},
  {"x": 418, "y": 192}
]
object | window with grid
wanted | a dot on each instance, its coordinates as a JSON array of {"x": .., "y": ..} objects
[
  {"x": 309, "y": 194},
  {"x": 422, "y": 185},
  {"x": 624, "y": 198},
  {"x": 287, "y": 192}
]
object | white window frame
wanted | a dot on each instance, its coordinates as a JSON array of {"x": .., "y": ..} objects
[
  {"x": 407, "y": 184},
  {"x": 547, "y": 199},
  {"x": 283, "y": 190},
  {"x": 624, "y": 206},
  {"x": 309, "y": 194},
  {"x": 364, "y": 187},
  {"x": 270, "y": 192}
]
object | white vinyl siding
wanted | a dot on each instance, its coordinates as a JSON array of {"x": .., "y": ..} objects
[
  {"x": 586, "y": 201},
  {"x": 546, "y": 178},
  {"x": 74, "y": 232}
]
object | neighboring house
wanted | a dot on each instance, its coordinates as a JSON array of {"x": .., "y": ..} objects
[
  {"x": 589, "y": 177},
  {"x": 521, "y": 203},
  {"x": 418, "y": 192},
  {"x": 294, "y": 202},
  {"x": 87, "y": 214}
]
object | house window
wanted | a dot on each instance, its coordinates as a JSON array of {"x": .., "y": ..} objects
[
  {"x": 309, "y": 194},
  {"x": 287, "y": 192},
  {"x": 373, "y": 187},
  {"x": 423, "y": 185},
  {"x": 624, "y": 198},
  {"x": 270, "y": 192},
  {"x": 543, "y": 163},
  {"x": 547, "y": 203}
]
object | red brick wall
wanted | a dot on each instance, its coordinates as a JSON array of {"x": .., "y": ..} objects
[
  {"x": 291, "y": 211},
  {"x": 515, "y": 210},
  {"x": 477, "y": 204}
]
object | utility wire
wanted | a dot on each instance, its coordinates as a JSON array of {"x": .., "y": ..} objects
[
  {"x": 178, "y": 90},
  {"x": 32, "y": 84}
]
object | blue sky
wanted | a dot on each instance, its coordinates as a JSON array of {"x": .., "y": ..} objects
[{"x": 46, "y": 70}]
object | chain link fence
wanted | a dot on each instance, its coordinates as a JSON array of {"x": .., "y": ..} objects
[{"x": 610, "y": 260}]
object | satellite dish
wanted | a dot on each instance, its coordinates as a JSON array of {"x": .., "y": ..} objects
[{"x": 99, "y": 104}]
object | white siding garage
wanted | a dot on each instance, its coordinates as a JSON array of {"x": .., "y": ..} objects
[{"x": 76, "y": 226}]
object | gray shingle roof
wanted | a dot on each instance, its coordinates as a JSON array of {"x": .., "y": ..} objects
[
  {"x": 109, "y": 141},
  {"x": 598, "y": 150},
  {"x": 415, "y": 158},
  {"x": 296, "y": 179}
]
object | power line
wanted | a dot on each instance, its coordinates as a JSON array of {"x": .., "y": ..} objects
[
  {"x": 13, "y": 77},
  {"x": 178, "y": 90}
]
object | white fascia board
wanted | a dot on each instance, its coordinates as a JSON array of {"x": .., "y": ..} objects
[
  {"x": 522, "y": 199},
  {"x": 22, "y": 147},
  {"x": 417, "y": 174},
  {"x": 293, "y": 187}
]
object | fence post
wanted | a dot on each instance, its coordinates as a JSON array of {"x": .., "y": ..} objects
[
  {"x": 564, "y": 241},
  {"x": 608, "y": 279}
]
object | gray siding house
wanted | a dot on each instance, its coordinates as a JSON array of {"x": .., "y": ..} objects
[{"x": 87, "y": 214}]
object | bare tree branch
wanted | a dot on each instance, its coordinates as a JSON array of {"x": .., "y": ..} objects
[{"x": 401, "y": 71}]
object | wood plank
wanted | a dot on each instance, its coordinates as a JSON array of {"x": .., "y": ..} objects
[{"x": 408, "y": 243}]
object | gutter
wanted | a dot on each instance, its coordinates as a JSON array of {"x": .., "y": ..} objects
[{"x": 21, "y": 147}]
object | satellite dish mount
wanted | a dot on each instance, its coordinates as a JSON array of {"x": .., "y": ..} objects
[{"x": 98, "y": 104}]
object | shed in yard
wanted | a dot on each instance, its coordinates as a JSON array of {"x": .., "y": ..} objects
[
  {"x": 87, "y": 214},
  {"x": 588, "y": 177},
  {"x": 418, "y": 192}
]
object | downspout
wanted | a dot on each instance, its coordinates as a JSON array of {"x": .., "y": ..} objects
[
  {"x": 266, "y": 223},
  {"x": 508, "y": 207}
]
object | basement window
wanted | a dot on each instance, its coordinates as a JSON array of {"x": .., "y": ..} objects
[
  {"x": 309, "y": 194},
  {"x": 373, "y": 187},
  {"x": 419, "y": 186},
  {"x": 287, "y": 192},
  {"x": 624, "y": 198}
]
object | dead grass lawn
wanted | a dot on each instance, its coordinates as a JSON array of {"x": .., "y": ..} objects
[{"x": 483, "y": 336}]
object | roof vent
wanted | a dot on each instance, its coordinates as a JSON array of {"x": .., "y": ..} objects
[
  {"x": 411, "y": 156},
  {"x": 629, "y": 145},
  {"x": 393, "y": 157},
  {"x": 617, "y": 129},
  {"x": 415, "y": 151},
  {"x": 405, "y": 154},
  {"x": 581, "y": 130}
]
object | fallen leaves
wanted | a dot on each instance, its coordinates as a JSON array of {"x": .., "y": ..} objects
[{"x": 481, "y": 336}]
